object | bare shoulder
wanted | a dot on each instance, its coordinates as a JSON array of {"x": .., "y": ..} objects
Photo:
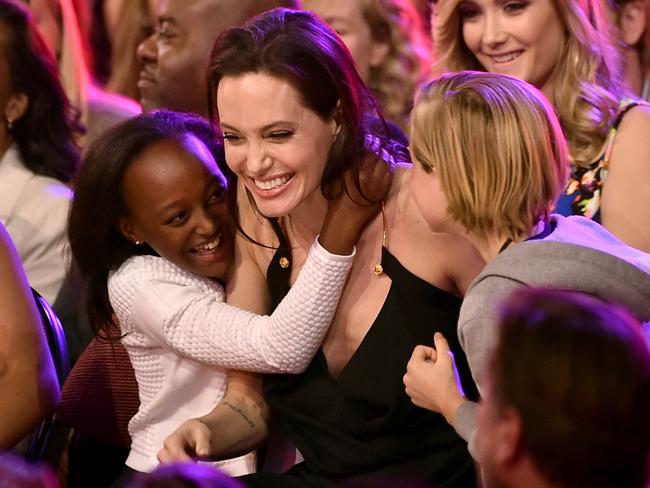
[
  {"x": 632, "y": 135},
  {"x": 625, "y": 203}
]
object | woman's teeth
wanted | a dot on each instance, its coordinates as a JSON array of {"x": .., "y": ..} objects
[
  {"x": 505, "y": 58},
  {"x": 271, "y": 184}
]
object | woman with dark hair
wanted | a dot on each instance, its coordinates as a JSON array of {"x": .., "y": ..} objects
[
  {"x": 293, "y": 113},
  {"x": 151, "y": 233},
  {"x": 38, "y": 153}
]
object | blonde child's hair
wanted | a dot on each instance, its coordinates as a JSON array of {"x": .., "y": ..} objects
[
  {"x": 496, "y": 147},
  {"x": 588, "y": 84}
]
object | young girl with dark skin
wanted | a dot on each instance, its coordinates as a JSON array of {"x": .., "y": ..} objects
[{"x": 151, "y": 231}]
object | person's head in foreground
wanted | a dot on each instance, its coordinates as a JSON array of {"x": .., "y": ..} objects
[
  {"x": 184, "y": 475},
  {"x": 567, "y": 395},
  {"x": 151, "y": 185},
  {"x": 489, "y": 156}
]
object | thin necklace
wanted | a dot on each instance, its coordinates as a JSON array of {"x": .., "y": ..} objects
[{"x": 377, "y": 268}]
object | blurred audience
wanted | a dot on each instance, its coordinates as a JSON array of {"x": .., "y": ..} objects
[
  {"x": 28, "y": 385},
  {"x": 57, "y": 20},
  {"x": 569, "y": 51},
  {"x": 633, "y": 19},
  {"x": 118, "y": 27},
  {"x": 566, "y": 397},
  {"x": 389, "y": 45},
  {"x": 38, "y": 154},
  {"x": 175, "y": 57}
]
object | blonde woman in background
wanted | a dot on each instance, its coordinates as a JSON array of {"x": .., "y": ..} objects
[
  {"x": 389, "y": 45},
  {"x": 567, "y": 49}
]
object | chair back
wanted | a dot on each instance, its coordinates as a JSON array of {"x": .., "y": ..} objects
[
  {"x": 55, "y": 337},
  {"x": 38, "y": 448}
]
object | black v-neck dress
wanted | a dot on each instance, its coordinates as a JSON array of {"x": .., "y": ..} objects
[{"x": 360, "y": 428}]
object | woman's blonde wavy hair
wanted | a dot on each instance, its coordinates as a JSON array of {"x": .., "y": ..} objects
[
  {"x": 588, "y": 85},
  {"x": 496, "y": 147},
  {"x": 408, "y": 61}
]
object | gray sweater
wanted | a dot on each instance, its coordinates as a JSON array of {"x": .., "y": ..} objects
[{"x": 579, "y": 255}]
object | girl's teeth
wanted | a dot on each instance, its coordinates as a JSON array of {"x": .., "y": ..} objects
[
  {"x": 209, "y": 246},
  {"x": 271, "y": 184}
]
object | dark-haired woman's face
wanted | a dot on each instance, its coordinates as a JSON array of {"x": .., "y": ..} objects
[
  {"x": 176, "y": 198},
  {"x": 277, "y": 147}
]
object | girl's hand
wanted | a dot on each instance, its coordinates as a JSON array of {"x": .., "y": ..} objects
[
  {"x": 432, "y": 380},
  {"x": 348, "y": 214}
]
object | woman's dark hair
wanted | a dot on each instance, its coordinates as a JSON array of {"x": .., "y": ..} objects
[
  {"x": 45, "y": 134},
  {"x": 577, "y": 371},
  {"x": 97, "y": 245}
]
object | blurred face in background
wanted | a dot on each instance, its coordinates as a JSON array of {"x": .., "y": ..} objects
[
  {"x": 47, "y": 15},
  {"x": 175, "y": 57},
  {"x": 347, "y": 19}
]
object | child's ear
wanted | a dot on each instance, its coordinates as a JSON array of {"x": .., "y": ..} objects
[
  {"x": 632, "y": 21},
  {"x": 127, "y": 229}
]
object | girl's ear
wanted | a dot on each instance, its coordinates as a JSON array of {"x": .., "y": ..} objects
[
  {"x": 127, "y": 229},
  {"x": 16, "y": 107}
]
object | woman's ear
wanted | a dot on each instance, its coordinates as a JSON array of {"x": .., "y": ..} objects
[
  {"x": 16, "y": 107},
  {"x": 127, "y": 229},
  {"x": 337, "y": 119},
  {"x": 632, "y": 22}
]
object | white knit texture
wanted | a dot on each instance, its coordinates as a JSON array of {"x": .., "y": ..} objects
[{"x": 180, "y": 333}]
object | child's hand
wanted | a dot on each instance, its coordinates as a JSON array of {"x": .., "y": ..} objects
[
  {"x": 431, "y": 379},
  {"x": 348, "y": 214},
  {"x": 189, "y": 442}
]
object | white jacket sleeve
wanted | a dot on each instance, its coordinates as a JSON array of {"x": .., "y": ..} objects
[{"x": 171, "y": 307}]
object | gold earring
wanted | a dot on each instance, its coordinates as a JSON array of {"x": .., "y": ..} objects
[
  {"x": 10, "y": 124},
  {"x": 137, "y": 242}
]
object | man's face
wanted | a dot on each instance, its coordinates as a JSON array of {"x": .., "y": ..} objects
[{"x": 175, "y": 57}]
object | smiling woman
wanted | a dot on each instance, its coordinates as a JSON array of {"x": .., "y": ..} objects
[
  {"x": 151, "y": 231},
  {"x": 568, "y": 50}
]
